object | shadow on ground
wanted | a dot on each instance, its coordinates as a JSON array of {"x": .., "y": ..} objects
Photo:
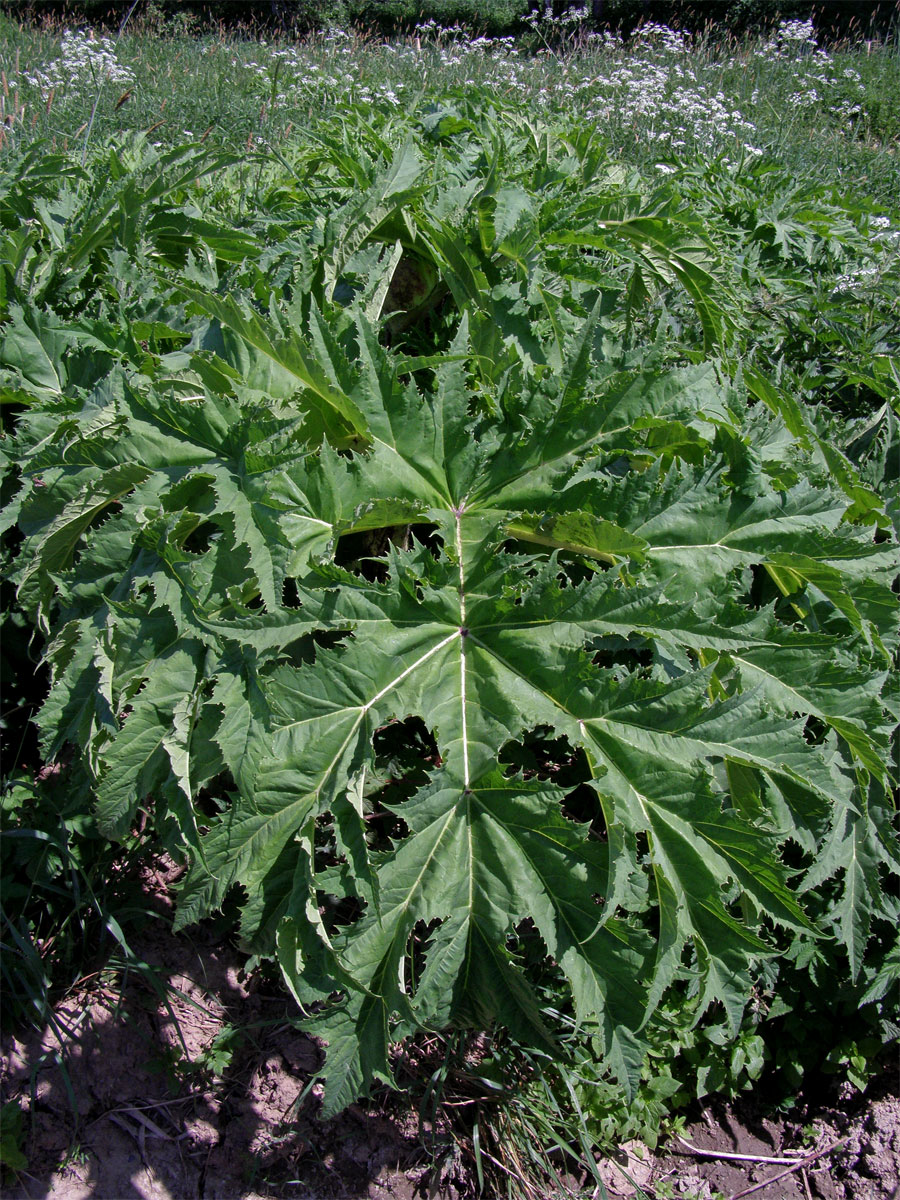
[{"x": 188, "y": 1079}]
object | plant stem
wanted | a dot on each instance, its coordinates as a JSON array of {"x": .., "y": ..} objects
[{"x": 90, "y": 127}]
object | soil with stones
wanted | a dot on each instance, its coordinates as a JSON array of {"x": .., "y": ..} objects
[{"x": 201, "y": 1086}]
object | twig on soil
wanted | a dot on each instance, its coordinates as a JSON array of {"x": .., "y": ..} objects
[
  {"x": 798, "y": 1166},
  {"x": 141, "y": 1107},
  {"x": 156, "y": 1104},
  {"x": 757, "y": 1158},
  {"x": 149, "y": 1125},
  {"x": 807, "y": 1193},
  {"x": 145, "y": 1125}
]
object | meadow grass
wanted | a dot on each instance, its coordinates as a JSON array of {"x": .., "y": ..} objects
[{"x": 664, "y": 97}]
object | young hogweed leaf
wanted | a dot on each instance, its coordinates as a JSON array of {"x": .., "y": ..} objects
[
  {"x": 146, "y": 751},
  {"x": 293, "y": 356}
]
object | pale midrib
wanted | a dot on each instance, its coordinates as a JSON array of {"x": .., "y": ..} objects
[
  {"x": 548, "y": 462},
  {"x": 444, "y": 497},
  {"x": 364, "y": 708},
  {"x": 462, "y": 647},
  {"x": 805, "y": 704},
  {"x": 629, "y": 735},
  {"x": 562, "y": 907},
  {"x": 278, "y": 817},
  {"x": 651, "y": 549},
  {"x": 581, "y": 724},
  {"x": 296, "y": 516},
  {"x": 404, "y": 904}
]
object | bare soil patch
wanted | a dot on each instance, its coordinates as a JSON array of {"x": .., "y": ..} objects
[
  {"x": 205, "y": 1089},
  {"x": 857, "y": 1140}
]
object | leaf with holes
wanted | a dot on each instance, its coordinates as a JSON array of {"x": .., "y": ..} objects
[{"x": 466, "y": 655}]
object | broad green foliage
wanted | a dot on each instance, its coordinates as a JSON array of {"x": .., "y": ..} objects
[{"x": 272, "y": 527}]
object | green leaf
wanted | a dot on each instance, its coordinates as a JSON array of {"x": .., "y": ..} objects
[
  {"x": 502, "y": 631},
  {"x": 140, "y": 757},
  {"x": 340, "y": 416}
]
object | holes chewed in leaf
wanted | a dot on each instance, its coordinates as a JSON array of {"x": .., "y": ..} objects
[
  {"x": 540, "y": 755},
  {"x": 290, "y": 596},
  {"x": 358, "y": 551}
]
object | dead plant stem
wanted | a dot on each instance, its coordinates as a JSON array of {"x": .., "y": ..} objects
[
  {"x": 798, "y": 1166},
  {"x": 756, "y": 1158}
]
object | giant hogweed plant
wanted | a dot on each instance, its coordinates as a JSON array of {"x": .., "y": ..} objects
[{"x": 267, "y": 537}]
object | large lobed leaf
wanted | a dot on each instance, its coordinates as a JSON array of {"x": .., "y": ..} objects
[{"x": 259, "y": 551}]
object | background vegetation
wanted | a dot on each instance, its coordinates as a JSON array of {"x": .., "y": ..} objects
[
  {"x": 494, "y": 17},
  {"x": 825, "y": 115}
]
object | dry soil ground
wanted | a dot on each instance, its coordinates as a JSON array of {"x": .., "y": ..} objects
[{"x": 145, "y": 1094}]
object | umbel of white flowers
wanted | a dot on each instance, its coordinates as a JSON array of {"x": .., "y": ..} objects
[{"x": 84, "y": 62}]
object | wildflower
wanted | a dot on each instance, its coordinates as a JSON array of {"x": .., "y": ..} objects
[{"x": 84, "y": 62}]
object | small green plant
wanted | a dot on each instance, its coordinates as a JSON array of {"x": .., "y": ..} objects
[
  {"x": 12, "y": 1136},
  {"x": 213, "y": 1061},
  {"x": 64, "y": 896},
  {"x": 668, "y": 1189},
  {"x": 218, "y": 1055}
]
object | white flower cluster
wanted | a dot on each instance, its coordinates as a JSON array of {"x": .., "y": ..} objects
[
  {"x": 884, "y": 233},
  {"x": 609, "y": 41},
  {"x": 439, "y": 33},
  {"x": 804, "y": 99},
  {"x": 885, "y": 239},
  {"x": 815, "y": 76},
  {"x": 661, "y": 37},
  {"x": 789, "y": 36},
  {"x": 572, "y": 17},
  {"x": 654, "y": 90},
  {"x": 84, "y": 62},
  {"x": 856, "y": 280},
  {"x": 661, "y": 89},
  {"x": 673, "y": 106}
]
